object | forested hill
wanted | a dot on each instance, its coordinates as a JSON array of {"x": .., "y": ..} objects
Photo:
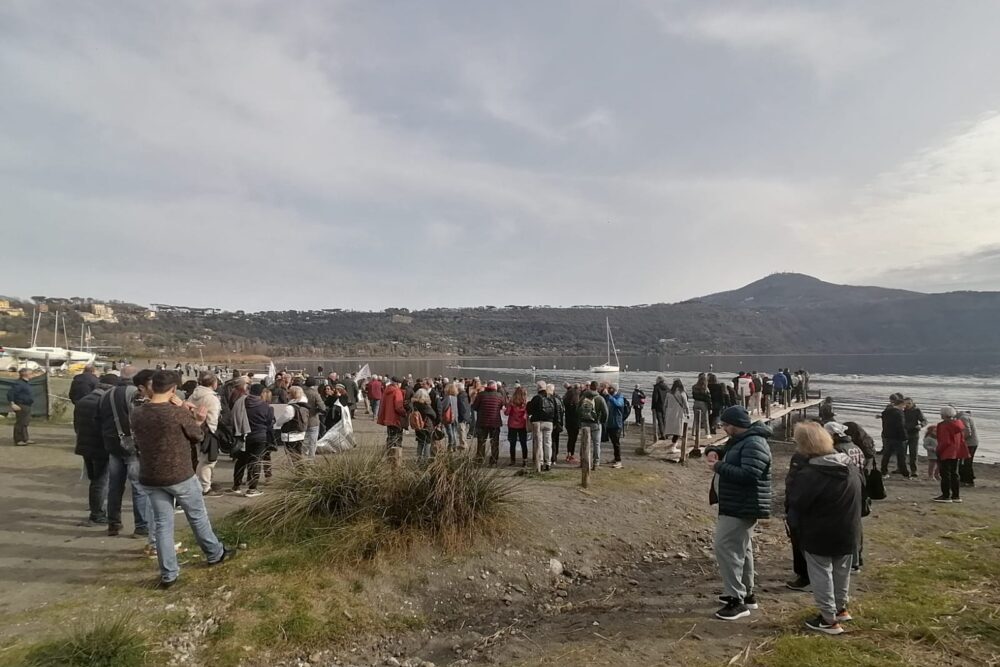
[{"x": 783, "y": 313}]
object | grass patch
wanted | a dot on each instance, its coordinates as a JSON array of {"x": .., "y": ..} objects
[
  {"x": 801, "y": 651},
  {"x": 354, "y": 506},
  {"x": 113, "y": 643}
]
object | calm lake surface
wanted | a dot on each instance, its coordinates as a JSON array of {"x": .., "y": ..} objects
[{"x": 860, "y": 384}]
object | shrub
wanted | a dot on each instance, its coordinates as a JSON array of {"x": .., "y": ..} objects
[
  {"x": 356, "y": 504},
  {"x": 113, "y": 643}
]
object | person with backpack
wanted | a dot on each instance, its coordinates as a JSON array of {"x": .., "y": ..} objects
[
  {"x": 208, "y": 449},
  {"x": 293, "y": 431},
  {"x": 843, "y": 443},
  {"x": 253, "y": 429},
  {"x": 423, "y": 419},
  {"x": 558, "y": 424},
  {"x": 517, "y": 425},
  {"x": 392, "y": 414},
  {"x": 448, "y": 413},
  {"x": 592, "y": 412},
  {"x": 542, "y": 415},
  {"x": 618, "y": 409}
]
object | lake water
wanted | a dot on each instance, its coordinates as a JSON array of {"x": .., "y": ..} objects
[{"x": 859, "y": 384}]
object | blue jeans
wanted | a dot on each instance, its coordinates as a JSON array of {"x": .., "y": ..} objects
[
  {"x": 97, "y": 496},
  {"x": 119, "y": 471},
  {"x": 595, "y": 442},
  {"x": 452, "y": 432},
  {"x": 190, "y": 499},
  {"x": 312, "y": 436},
  {"x": 374, "y": 402}
]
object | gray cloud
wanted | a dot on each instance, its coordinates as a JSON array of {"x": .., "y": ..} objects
[
  {"x": 978, "y": 271},
  {"x": 365, "y": 155}
]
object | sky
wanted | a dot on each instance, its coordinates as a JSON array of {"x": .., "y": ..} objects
[{"x": 360, "y": 154}]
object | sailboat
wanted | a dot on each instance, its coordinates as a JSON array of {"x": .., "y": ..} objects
[
  {"x": 54, "y": 355},
  {"x": 608, "y": 367}
]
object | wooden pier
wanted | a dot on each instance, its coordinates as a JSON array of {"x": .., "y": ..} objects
[{"x": 699, "y": 437}]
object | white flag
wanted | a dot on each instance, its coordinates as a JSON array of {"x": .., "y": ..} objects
[
  {"x": 271, "y": 372},
  {"x": 364, "y": 373}
]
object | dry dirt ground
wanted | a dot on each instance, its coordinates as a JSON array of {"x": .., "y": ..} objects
[{"x": 639, "y": 584}]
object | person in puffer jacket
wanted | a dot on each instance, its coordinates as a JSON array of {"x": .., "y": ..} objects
[
  {"x": 951, "y": 450},
  {"x": 742, "y": 488}
]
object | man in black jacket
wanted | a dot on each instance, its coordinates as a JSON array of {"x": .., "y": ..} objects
[
  {"x": 90, "y": 445},
  {"x": 894, "y": 437},
  {"x": 20, "y": 398},
  {"x": 915, "y": 422},
  {"x": 113, "y": 419},
  {"x": 660, "y": 392},
  {"x": 83, "y": 384}
]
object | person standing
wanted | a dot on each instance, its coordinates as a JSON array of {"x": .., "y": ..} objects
[
  {"x": 826, "y": 411},
  {"x": 488, "y": 405},
  {"x": 165, "y": 429},
  {"x": 317, "y": 408},
  {"x": 517, "y": 425},
  {"x": 894, "y": 437},
  {"x": 719, "y": 396},
  {"x": 677, "y": 413},
  {"x": 572, "y": 421},
  {"x": 638, "y": 402},
  {"x": 83, "y": 383},
  {"x": 742, "y": 488},
  {"x": 618, "y": 409},
  {"x": 542, "y": 415},
  {"x": 661, "y": 393},
  {"x": 825, "y": 502},
  {"x": 351, "y": 385},
  {"x": 113, "y": 415},
  {"x": 951, "y": 450},
  {"x": 914, "y": 422},
  {"x": 966, "y": 473},
  {"x": 90, "y": 446},
  {"x": 293, "y": 431},
  {"x": 702, "y": 398},
  {"x": 592, "y": 412},
  {"x": 374, "y": 390},
  {"x": 464, "y": 414},
  {"x": 20, "y": 399},
  {"x": 780, "y": 382},
  {"x": 423, "y": 419},
  {"x": 392, "y": 414},
  {"x": 204, "y": 396},
  {"x": 253, "y": 426}
]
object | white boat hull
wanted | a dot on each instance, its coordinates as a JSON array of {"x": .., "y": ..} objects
[
  {"x": 55, "y": 355},
  {"x": 605, "y": 368}
]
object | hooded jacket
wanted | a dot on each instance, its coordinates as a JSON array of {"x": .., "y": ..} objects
[
  {"x": 744, "y": 474},
  {"x": 600, "y": 407},
  {"x": 951, "y": 440},
  {"x": 780, "y": 382},
  {"x": 392, "y": 410},
  {"x": 206, "y": 396},
  {"x": 464, "y": 408},
  {"x": 893, "y": 423},
  {"x": 616, "y": 411},
  {"x": 82, "y": 384},
  {"x": 824, "y": 505},
  {"x": 660, "y": 392}
]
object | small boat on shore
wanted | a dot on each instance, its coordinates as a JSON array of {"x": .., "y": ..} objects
[{"x": 608, "y": 367}]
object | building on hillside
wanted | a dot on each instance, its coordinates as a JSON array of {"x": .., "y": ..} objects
[
  {"x": 6, "y": 309},
  {"x": 100, "y": 312}
]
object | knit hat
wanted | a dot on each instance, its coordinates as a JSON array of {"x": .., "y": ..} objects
[
  {"x": 736, "y": 416},
  {"x": 948, "y": 412},
  {"x": 542, "y": 385},
  {"x": 835, "y": 429}
]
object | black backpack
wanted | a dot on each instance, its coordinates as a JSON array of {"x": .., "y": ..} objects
[
  {"x": 299, "y": 421},
  {"x": 225, "y": 432}
]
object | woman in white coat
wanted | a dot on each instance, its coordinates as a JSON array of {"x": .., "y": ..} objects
[{"x": 678, "y": 412}]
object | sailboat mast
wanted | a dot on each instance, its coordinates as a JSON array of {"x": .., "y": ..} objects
[
  {"x": 607, "y": 323},
  {"x": 55, "y": 332}
]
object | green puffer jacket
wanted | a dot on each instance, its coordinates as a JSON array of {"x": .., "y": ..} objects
[{"x": 744, "y": 474}]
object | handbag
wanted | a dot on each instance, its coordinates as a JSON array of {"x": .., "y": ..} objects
[{"x": 876, "y": 485}]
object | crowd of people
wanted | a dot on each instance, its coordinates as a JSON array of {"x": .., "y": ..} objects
[{"x": 162, "y": 435}]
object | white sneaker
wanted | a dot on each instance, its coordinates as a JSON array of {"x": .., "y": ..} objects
[{"x": 253, "y": 493}]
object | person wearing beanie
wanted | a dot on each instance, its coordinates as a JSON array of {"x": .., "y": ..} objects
[
  {"x": 951, "y": 450},
  {"x": 742, "y": 489},
  {"x": 542, "y": 415}
]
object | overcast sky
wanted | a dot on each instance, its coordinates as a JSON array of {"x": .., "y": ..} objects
[{"x": 272, "y": 155}]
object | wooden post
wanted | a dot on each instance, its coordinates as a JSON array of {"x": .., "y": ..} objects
[
  {"x": 684, "y": 444},
  {"x": 585, "y": 452},
  {"x": 697, "y": 429},
  {"x": 642, "y": 439},
  {"x": 536, "y": 446}
]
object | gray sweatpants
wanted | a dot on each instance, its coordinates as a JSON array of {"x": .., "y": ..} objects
[
  {"x": 830, "y": 577},
  {"x": 734, "y": 554}
]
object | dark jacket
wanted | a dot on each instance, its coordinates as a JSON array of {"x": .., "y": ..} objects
[
  {"x": 744, "y": 474},
  {"x": 600, "y": 407},
  {"x": 570, "y": 401},
  {"x": 488, "y": 406},
  {"x": 82, "y": 384},
  {"x": 861, "y": 438},
  {"x": 122, "y": 394},
  {"x": 660, "y": 391},
  {"x": 824, "y": 505},
  {"x": 89, "y": 438},
  {"x": 542, "y": 408},
  {"x": 913, "y": 419},
  {"x": 703, "y": 396},
  {"x": 718, "y": 393},
  {"x": 826, "y": 413},
  {"x": 638, "y": 399},
  {"x": 260, "y": 416},
  {"x": 352, "y": 391},
  {"x": 316, "y": 406},
  {"x": 20, "y": 393},
  {"x": 893, "y": 423}
]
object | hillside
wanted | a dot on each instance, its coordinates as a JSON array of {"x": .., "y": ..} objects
[{"x": 783, "y": 313}]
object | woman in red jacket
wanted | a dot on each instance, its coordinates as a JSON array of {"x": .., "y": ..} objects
[
  {"x": 951, "y": 450},
  {"x": 517, "y": 425}
]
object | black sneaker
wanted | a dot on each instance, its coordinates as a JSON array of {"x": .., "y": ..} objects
[
  {"x": 956, "y": 500},
  {"x": 942, "y": 499},
  {"x": 820, "y": 625},
  {"x": 165, "y": 585},
  {"x": 799, "y": 584},
  {"x": 733, "y": 610},
  {"x": 114, "y": 529},
  {"x": 227, "y": 554},
  {"x": 750, "y": 602}
]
